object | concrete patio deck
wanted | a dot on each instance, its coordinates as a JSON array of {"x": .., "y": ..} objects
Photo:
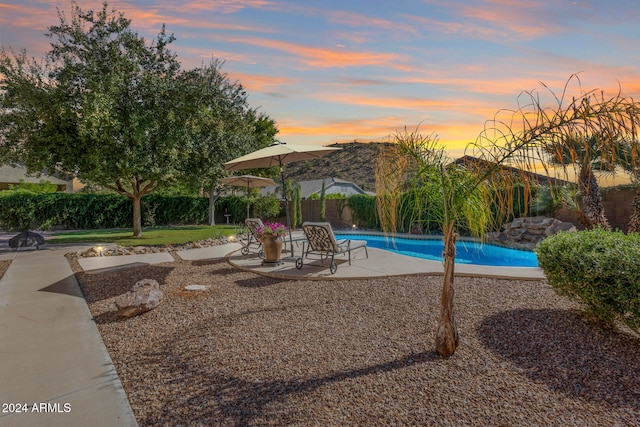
[{"x": 380, "y": 263}]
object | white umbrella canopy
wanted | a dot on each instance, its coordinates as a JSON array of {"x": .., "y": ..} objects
[
  {"x": 248, "y": 181},
  {"x": 279, "y": 154}
]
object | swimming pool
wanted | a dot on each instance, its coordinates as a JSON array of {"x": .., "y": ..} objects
[{"x": 466, "y": 252}]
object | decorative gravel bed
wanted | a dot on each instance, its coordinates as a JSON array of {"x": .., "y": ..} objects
[{"x": 252, "y": 350}]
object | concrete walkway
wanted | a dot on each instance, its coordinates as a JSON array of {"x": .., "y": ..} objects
[{"x": 54, "y": 367}]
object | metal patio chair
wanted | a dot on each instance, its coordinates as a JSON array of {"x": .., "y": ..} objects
[
  {"x": 252, "y": 242},
  {"x": 321, "y": 240}
]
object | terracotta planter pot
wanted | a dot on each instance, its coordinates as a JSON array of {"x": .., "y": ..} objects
[{"x": 272, "y": 248}]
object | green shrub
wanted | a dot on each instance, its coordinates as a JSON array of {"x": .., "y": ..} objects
[
  {"x": 235, "y": 206},
  {"x": 266, "y": 206},
  {"x": 43, "y": 186},
  {"x": 598, "y": 268},
  {"x": 337, "y": 196},
  {"x": 365, "y": 212},
  {"x": 29, "y": 211}
]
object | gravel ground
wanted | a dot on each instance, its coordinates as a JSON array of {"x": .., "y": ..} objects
[{"x": 253, "y": 350}]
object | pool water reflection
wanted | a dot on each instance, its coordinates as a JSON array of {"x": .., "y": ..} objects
[{"x": 466, "y": 252}]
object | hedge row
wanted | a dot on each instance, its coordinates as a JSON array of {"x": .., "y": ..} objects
[
  {"x": 31, "y": 211},
  {"x": 599, "y": 268}
]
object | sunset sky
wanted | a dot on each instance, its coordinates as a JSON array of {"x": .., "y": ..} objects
[{"x": 332, "y": 71}]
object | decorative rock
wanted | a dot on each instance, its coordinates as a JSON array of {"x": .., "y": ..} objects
[
  {"x": 525, "y": 233},
  {"x": 116, "y": 250},
  {"x": 26, "y": 239},
  {"x": 144, "y": 296},
  {"x": 196, "y": 288}
]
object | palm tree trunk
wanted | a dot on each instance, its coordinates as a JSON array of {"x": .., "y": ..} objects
[
  {"x": 447, "y": 339},
  {"x": 592, "y": 209},
  {"x": 634, "y": 220}
]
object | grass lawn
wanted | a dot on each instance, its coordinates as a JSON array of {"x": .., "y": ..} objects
[{"x": 151, "y": 236}]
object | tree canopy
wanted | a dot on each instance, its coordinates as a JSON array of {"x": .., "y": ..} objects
[{"x": 111, "y": 109}]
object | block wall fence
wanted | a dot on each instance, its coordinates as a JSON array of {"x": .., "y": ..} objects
[{"x": 616, "y": 202}]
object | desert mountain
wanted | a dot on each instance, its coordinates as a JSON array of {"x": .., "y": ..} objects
[{"x": 355, "y": 162}]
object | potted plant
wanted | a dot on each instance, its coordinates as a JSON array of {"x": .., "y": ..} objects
[{"x": 271, "y": 236}]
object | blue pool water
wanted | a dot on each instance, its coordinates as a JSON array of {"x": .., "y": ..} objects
[{"x": 466, "y": 252}]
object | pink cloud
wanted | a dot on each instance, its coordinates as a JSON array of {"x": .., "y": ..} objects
[
  {"x": 262, "y": 83},
  {"x": 322, "y": 57},
  {"x": 493, "y": 20},
  {"x": 227, "y": 6}
]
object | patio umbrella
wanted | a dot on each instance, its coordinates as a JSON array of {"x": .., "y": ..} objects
[
  {"x": 249, "y": 181},
  {"x": 279, "y": 154}
]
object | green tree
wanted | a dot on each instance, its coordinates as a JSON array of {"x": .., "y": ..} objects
[
  {"x": 116, "y": 112},
  {"x": 104, "y": 105},
  {"x": 219, "y": 126}
]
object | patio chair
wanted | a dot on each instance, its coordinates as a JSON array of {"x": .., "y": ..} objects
[
  {"x": 253, "y": 239},
  {"x": 322, "y": 241}
]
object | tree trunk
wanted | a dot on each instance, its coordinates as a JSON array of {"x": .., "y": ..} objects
[
  {"x": 447, "y": 335},
  {"x": 137, "y": 216},
  {"x": 592, "y": 209},
  {"x": 634, "y": 220},
  {"x": 212, "y": 206}
]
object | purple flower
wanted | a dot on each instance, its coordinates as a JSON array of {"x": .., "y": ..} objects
[{"x": 272, "y": 229}]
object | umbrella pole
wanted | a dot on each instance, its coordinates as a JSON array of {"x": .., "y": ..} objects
[
  {"x": 247, "y": 199},
  {"x": 286, "y": 206}
]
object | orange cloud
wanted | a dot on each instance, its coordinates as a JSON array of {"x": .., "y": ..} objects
[
  {"x": 319, "y": 57},
  {"x": 262, "y": 83},
  {"x": 26, "y": 17},
  {"x": 453, "y": 137},
  {"x": 154, "y": 18}
]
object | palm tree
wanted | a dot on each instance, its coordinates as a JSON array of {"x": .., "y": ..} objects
[
  {"x": 460, "y": 195},
  {"x": 587, "y": 154},
  {"x": 452, "y": 195}
]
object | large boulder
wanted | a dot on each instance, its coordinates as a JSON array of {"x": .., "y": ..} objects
[
  {"x": 144, "y": 296},
  {"x": 26, "y": 239},
  {"x": 525, "y": 233}
]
